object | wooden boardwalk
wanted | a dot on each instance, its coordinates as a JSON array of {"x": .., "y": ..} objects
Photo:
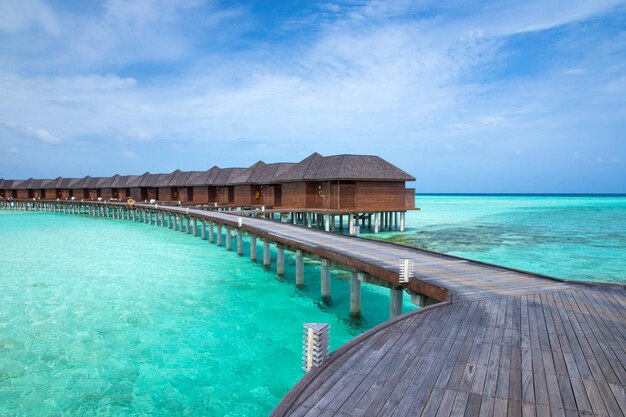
[
  {"x": 504, "y": 343},
  {"x": 501, "y": 342}
]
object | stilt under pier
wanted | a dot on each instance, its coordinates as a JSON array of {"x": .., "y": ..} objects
[
  {"x": 325, "y": 280},
  {"x": 253, "y": 248},
  {"x": 355, "y": 293},
  {"x": 395, "y": 301},
  {"x": 266, "y": 253},
  {"x": 280, "y": 260},
  {"x": 299, "y": 268}
]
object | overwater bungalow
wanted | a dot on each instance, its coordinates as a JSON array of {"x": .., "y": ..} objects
[
  {"x": 148, "y": 190},
  {"x": 345, "y": 182},
  {"x": 225, "y": 194},
  {"x": 332, "y": 183},
  {"x": 201, "y": 188},
  {"x": 132, "y": 187},
  {"x": 256, "y": 185},
  {"x": 80, "y": 189},
  {"x": 30, "y": 188},
  {"x": 105, "y": 187},
  {"x": 178, "y": 186}
]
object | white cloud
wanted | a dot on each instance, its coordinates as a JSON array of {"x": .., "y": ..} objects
[
  {"x": 12, "y": 149},
  {"x": 32, "y": 132},
  {"x": 491, "y": 120},
  {"x": 19, "y": 15},
  {"x": 128, "y": 154},
  {"x": 137, "y": 133}
]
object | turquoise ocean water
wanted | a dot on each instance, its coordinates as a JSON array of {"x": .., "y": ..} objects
[
  {"x": 106, "y": 317},
  {"x": 572, "y": 237}
]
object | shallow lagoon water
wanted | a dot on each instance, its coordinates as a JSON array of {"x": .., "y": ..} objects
[
  {"x": 572, "y": 237},
  {"x": 106, "y": 317}
]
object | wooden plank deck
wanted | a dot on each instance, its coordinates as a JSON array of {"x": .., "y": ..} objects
[{"x": 552, "y": 353}]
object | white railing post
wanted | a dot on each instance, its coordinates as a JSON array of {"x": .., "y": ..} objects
[{"x": 316, "y": 345}]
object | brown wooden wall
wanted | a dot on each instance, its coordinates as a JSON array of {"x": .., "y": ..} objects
[
  {"x": 409, "y": 198},
  {"x": 135, "y": 193},
  {"x": 293, "y": 194},
  {"x": 222, "y": 195},
  {"x": 347, "y": 196},
  {"x": 242, "y": 195},
  {"x": 79, "y": 194},
  {"x": 119, "y": 194},
  {"x": 261, "y": 195},
  {"x": 269, "y": 196},
  {"x": 22, "y": 194},
  {"x": 212, "y": 194},
  {"x": 150, "y": 193},
  {"x": 379, "y": 195},
  {"x": 64, "y": 194},
  {"x": 181, "y": 193},
  {"x": 165, "y": 194},
  {"x": 34, "y": 194},
  {"x": 311, "y": 197},
  {"x": 201, "y": 195},
  {"x": 94, "y": 194}
]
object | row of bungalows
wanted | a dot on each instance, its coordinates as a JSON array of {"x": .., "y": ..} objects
[{"x": 339, "y": 182}]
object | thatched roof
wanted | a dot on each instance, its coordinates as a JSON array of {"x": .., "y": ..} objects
[
  {"x": 344, "y": 167},
  {"x": 15, "y": 184},
  {"x": 226, "y": 176},
  {"x": 21, "y": 184},
  {"x": 313, "y": 168},
  {"x": 262, "y": 173},
  {"x": 198, "y": 178},
  {"x": 87, "y": 182}
]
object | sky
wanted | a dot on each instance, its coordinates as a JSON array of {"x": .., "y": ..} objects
[{"x": 503, "y": 96}]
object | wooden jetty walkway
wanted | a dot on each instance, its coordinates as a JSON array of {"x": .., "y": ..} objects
[{"x": 500, "y": 342}]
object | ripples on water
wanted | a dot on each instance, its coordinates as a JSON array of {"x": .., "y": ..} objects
[{"x": 580, "y": 238}]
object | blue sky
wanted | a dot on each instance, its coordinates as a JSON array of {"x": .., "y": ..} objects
[{"x": 508, "y": 96}]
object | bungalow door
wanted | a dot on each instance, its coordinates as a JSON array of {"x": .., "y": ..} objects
[
  {"x": 278, "y": 195},
  {"x": 231, "y": 195}
]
